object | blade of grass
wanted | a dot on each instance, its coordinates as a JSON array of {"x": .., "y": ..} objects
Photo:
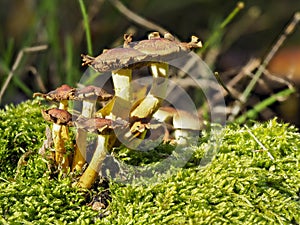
[
  {"x": 69, "y": 61},
  {"x": 20, "y": 84},
  {"x": 252, "y": 114},
  {"x": 8, "y": 54},
  {"x": 86, "y": 27},
  {"x": 219, "y": 31}
]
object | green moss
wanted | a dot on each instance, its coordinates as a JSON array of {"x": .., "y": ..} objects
[
  {"x": 43, "y": 201},
  {"x": 244, "y": 184},
  {"x": 22, "y": 129}
]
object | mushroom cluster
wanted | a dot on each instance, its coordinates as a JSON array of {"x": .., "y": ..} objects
[{"x": 118, "y": 113}]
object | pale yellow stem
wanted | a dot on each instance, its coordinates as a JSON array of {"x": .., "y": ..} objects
[
  {"x": 60, "y": 134},
  {"x": 149, "y": 105},
  {"x": 90, "y": 174},
  {"x": 88, "y": 108},
  {"x": 59, "y": 144},
  {"x": 122, "y": 85},
  {"x": 80, "y": 150}
]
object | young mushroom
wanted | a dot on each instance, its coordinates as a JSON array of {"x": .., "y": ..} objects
[
  {"x": 60, "y": 119},
  {"x": 60, "y": 132},
  {"x": 184, "y": 124},
  {"x": 61, "y": 94},
  {"x": 104, "y": 129}
]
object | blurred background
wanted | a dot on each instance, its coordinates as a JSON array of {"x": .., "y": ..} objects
[{"x": 59, "y": 25}]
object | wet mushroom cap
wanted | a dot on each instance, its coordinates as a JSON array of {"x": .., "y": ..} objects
[
  {"x": 114, "y": 59},
  {"x": 58, "y": 116}
]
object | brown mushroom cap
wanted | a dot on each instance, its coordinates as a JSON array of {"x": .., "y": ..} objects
[
  {"x": 98, "y": 125},
  {"x": 58, "y": 116},
  {"x": 64, "y": 92},
  {"x": 158, "y": 49},
  {"x": 114, "y": 59},
  {"x": 92, "y": 92},
  {"x": 164, "y": 49}
]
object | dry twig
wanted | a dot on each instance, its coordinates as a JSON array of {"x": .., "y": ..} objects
[
  {"x": 288, "y": 30},
  {"x": 136, "y": 18},
  {"x": 16, "y": 64}
]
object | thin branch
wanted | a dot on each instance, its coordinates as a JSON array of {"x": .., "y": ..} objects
[
  {"x": 17, "y": 62},
  {"x": 288, "y": 30},
  {"x": 38, "y": 78},
  {"x": 136, "y": 18}
]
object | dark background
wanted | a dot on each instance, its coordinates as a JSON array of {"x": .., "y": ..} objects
[{"x": 58, "y": 23}]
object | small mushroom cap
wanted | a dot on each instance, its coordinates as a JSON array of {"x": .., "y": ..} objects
[
  {"x": 64, "y": 92},
  {"x": 169, "y": 36},
  {"x": 58, "y": 116},
  {"x": 165, "y": 114},
  {"x": 92, "y": 92},
  {"x": 153, "y": 35},
  {"x": 114, "y": 59},
  {"x": 179, "y": 118},
  {"x": 185, "y": 120}
]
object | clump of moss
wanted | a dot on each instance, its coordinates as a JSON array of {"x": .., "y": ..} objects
[
  {"x": 36, "y": 199},
  {"x": 242, "y": 184},
  {"x": 245, "y": 183},
  {"x": 22, "y": 129}
]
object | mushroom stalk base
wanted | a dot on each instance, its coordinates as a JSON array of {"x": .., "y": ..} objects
[
  {"x": 88, "y": 108},
  {"x": 80, "y": 150},
  {"x": 92, "y": 172}
]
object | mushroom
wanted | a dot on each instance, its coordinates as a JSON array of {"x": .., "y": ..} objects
[
  {"x": 89, "y": 96},
  {"x": 185, "y": 124},
  {"x": 60, "y": 132},
  {"x": 62, "y": 94},
  {"x": 154, "y": 52},
  {"x": 60, "y": 119},
  {"x": 119, "y": 61},
  {"x": 103, "y": 128},
  {"x": 160, "y": 50}
]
